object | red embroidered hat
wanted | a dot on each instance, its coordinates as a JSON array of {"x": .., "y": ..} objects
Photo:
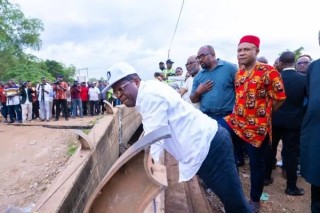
[{"x": 250, "y": 39}]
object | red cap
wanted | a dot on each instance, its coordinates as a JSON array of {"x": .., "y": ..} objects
[{"x": 250, "y": 39}]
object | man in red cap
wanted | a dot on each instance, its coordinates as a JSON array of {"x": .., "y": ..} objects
[{"x": 259, "y": 91}]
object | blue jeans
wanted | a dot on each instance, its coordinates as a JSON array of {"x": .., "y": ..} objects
[
  {"x": 219, "y": 173},
  {"x": 257, "y": 161},
  {"x": 76, "y": 103}
]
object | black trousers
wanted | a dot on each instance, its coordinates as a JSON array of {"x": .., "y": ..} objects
[
  {"x": 290, "y": 152},
  {"x": 85, "y": 107},
  {"x": 61, "y": 104},
  {"x": 94, "y": 108},
  {"x": 315, "y": 199}
]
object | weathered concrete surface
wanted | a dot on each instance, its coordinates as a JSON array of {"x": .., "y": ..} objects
[{"x": 71, "y": 189}]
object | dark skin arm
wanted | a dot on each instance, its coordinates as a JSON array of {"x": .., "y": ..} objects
[
  {"x": 202, "y": 88},
  {"x": 276, "y": 104}
]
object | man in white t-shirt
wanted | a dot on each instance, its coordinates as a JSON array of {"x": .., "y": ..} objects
[
  {"x": 197, "y": 142},
  {"x": 193, "y": 67},
  {"x": 94, "y": 99}
]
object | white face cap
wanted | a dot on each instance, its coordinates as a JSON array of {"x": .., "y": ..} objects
[{"x": 118, "y": 71}]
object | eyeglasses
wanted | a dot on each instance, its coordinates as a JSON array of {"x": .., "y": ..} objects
[
  {"x": 202, "y": 56},
  {"x": 120, "y": 90},
  {"x": 303, "y": 62},
  {"x": 190, "y": 63}
]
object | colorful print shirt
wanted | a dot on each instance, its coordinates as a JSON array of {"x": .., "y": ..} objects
[{"x": 251, "y": 116}]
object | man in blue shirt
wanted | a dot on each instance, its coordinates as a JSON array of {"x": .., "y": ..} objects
[{"x": 213, "y": 86}]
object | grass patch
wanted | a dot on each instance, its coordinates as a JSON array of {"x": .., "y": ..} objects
[
  {"x": 72, "y": 149},
  {"x": 86, "y": 131}
]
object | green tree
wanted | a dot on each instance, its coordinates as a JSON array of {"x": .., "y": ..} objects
[
  {"x": 16, "y": 34},
  {"x": 32, "y": 71},
  {"x": 55, "y": 68},
  {"x": 17, "y": 31}
]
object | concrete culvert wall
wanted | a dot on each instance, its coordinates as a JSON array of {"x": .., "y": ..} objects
[{"x": 87, "y": 167}]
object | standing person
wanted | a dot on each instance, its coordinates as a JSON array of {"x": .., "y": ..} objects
[
  {"x": 193, "y": 67},
  {"x": 259, "y": 92},
  {"x": 302, "y": 63},
  {"x": 201, "y": 147},
  {"x": 286, "y": 122},
  {"x": 35, "y": 102},
  {"x": 310, "y": 144},
  {"x": 94, "y": 99},
  {"x": 44, "y": 90},
  {"x": 262, "y": 59},
  {"x": 161, "y": 66},
  {"x": 26, "y": 101},
  {"x": 84, "y": 98},
  {"x": 169, "y": 71},
  {"x": 213, "y": 86},
  {"x": 3, "y": 99},
  {"x": 60, "y": 87},
  {"x": 102, "y": 96},
  {"x": 13, "y": 102},
  {"x": 76, "y": 102}
]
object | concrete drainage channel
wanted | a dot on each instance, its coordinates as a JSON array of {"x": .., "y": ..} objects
[{"x": 98, "y": 180}]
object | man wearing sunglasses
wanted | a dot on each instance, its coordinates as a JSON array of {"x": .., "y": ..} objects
[
  {"x": 213, "y": 86},
  {"x": 197, "y": 142}
]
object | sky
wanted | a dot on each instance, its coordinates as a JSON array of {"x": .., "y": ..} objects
[{"x": 98, "y": 33}]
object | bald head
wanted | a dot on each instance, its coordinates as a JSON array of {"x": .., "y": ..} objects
[{"x": 192, "y": 65}]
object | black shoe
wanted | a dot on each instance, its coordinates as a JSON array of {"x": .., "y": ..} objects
[
  {"x": 56, "y": 119},
  {"x": 294, "y": 192},
  {"x": 267, "y": 182}
]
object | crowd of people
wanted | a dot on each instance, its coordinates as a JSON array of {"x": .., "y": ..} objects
[
  {"x": 218, "y": 113},
  {"x": 26, "y": 101},
  {"x": 252, "y": 104}
]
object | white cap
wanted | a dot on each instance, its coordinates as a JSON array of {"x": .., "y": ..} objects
[{"x": 116, "y": 72}]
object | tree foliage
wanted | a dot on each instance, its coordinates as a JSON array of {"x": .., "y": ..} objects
[{"x": 18, "y": 33}]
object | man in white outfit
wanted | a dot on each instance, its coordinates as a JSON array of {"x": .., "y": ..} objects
[
  {"x": 44, "y": 91},
  {"x": 197, "y": 142}
]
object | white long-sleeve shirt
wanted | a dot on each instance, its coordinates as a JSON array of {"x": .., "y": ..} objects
[
  {"x": 191, "y": 130},
  {"x": 46, "y": 95}
]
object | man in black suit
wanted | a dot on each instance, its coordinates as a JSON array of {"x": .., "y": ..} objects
[
  {"x": 26, "y": 101},
  {"x": 286, "y": 123}
]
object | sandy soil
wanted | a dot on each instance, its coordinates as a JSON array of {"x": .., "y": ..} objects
[{"x": 31, "y": 157}]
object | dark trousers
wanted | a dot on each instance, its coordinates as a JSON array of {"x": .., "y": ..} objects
[
  {"x": 94, "y": 108},
  {"x": 15, "y": 112},
  {"x": 35, "y": 109},
  {"x": 315, "y": 199},
  {"x": 61, "y": 104},
  {"x": 271, "y": 153},
  {"x": 101, "y": 103},
  {"x": 54, "y": 106},
  {"x": 4, "y": 110},
  {"x": 85, "y": 107},
  {"x": 256, "y": 161},
  {"x": 219, "y": 173},
  {"x": 290, "y": 152}
]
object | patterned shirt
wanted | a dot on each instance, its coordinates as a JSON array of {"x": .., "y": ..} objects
[
  {"x": 61, "y": 90},
  {"x": 251, "y": 116}
]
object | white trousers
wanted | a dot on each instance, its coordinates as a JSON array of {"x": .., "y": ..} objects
[
  {"x": 44, "y": 110},
  {"x": 26, "y": 112}
]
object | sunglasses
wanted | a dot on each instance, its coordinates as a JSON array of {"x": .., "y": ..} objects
[
  {"x": 121, "y": 90},
  {"x": 202, "y": 56}
]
